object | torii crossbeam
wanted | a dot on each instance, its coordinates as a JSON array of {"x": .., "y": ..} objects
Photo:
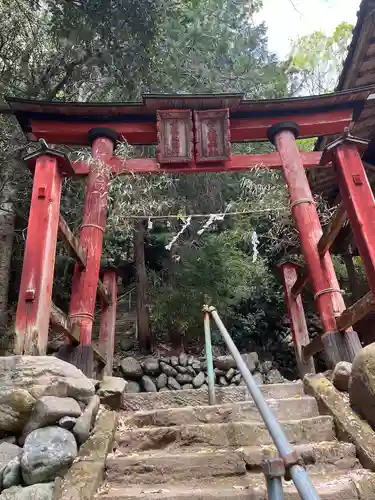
[{"x": 193, "y": 133}]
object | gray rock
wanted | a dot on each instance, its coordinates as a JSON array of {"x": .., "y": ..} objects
[
  {"x": 132, "y": 387},
  {"x": 67, "y": 423},
  {"x": 42, "y": 491},
  {"x": 151, "y": 366},
  {"x": 237, "y": 379},
  {"x": 198, "y": 381},
  {"x": 173, "y": 384},
  {"x": 111, "y": 391},
  {"x": 182, "y": 369},
  {"x": 183, "y": 359},
  {"x": 230, "y": 374},
  {"x": 148, "y": 384},
  {"x": 165, "y": 360},
  {"x": 95, "y": 382},
  {"x": 187, "y": 387},
  {"x": 190, "y": 360},
  {"x": 274, "y": 377},
  {"x": 224, "y": 363},
  {"x": 174, "y": 361},
  {"x": 25, "y": 379},
  {"x": 9, "y": 439},
  {"x": 48, "y": 410},
  {"x": 223, "y": 381},
  {"x": 203, "y": 365},
  {"x": 258, "y": 377},
  {"x": 341, "y": 375},
  {"x": 126, "y": 344},
  {"x": 168, "y": 370},
  {"x": 265, "y": 367},
  {"x": 131, "y": 368},
  {"x": 191, "y": 371},
  {"x": 85, "y": 422},
  {"x": 197, "y": 366},
  {"x": 161, "y": 381},
  {"x": 12, "y": 475},
  {"x": 48, "y": 453},
  {"x": 8, "y": 452},
  {"x": 362, "y": 384},
  {"x": 251, "y": 359},
  {"x": 184, "y": 378}
]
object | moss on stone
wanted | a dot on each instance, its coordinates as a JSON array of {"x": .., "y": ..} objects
[{"x": 349, "y": 425}]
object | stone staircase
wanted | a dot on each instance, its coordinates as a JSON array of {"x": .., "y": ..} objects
[{"x": 171, "y": 445}]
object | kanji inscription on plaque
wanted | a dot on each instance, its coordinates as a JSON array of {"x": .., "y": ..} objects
[
  {"x": 175, "y": 136},
  {"x": 212, "y": 140}
]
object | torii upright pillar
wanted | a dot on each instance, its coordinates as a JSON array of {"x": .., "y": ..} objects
[
  {"x": 338, "y": 346},
  {"x": 85, "y": 281}
]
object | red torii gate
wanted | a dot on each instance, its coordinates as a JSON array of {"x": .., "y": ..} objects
[{"x": 193, "y": 134}]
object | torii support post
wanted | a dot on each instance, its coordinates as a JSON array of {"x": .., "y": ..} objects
[
  {"x": 327, "y": 294},
  {"x": 85, "y": 281},
  {"x": 297, "y": 317},
  {"x": 35, "y": 294},
  {"x": 108, "y": 321},
  {"x": 359, "y": 202}
]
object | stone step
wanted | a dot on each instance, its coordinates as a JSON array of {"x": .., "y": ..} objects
[
  {"x": 284, "y": 409},
  {"x": 159, "y": 467},
  {"x": 199, "y": 397},
  {"x": 350, "y": 485},
  {"x": 227, "y": 435}
]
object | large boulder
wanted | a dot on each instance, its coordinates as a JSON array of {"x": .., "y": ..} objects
[
  {"x": 34, "y": 492},
  {"x": 362, "y": 384},
  {"x": 48, "y": 453},
  {"x": 111, "y": 391},
  {"x": 25, "y": 379},
  {"x": 12, "y": 474},
  {"x": 132, "y": 387},
  {"x": 251, "y": 360},
  {"x": 85, "y": 422},
  {"x": 131, "y": 368},
  {"x": 7, "y": 453},
  {"x": 341, "y": 375},
  {"x": 148, "y": 384},
  {"x": 151, "y": 366},
  {"x": 48, "y": 410},
  {"x": 168, "y": 369}
]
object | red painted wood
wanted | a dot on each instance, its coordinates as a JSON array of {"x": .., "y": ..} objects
[
  {"x": 108, "y": 321},
  {"x": 34, "y": 302},
  {"x": 175, "y": 136},
  {"x": 241, "y": 129},
  {"x": 238, "y": 163},
  {"x": 330, "y": 304},
  {"x": 359, "y": 202},
  {"x": 297, "y": 317},
  {"x": 85, "y": 281},
  {"x": 212, "y": 135}
]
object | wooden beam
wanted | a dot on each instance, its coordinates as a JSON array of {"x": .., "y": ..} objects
[
  {"x": 61, "y": 323},
  {"x": 71, "y": 243},
  {"x": 108, "y": 322},
  {"x": 34, "y": 300},
  {"x": 297, "y": 318},
  {"x": 332, "y": 230},
  {"x": 237, "y": 163},
  {"x": 315, "y": 346},
  {"x": 105, "y": 295},
  {"x": 301, "y": 282},
  {"x": 356, "y": 312}
]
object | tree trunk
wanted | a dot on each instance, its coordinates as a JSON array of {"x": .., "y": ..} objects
[
  {"x": 143, "y": 315},
  {"x": 7, "y": 226}
]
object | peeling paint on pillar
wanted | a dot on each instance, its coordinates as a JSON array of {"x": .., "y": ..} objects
[{"x": 35, "y": 295}]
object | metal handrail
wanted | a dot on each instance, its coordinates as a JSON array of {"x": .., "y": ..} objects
[{"x": 289, "y": 462}]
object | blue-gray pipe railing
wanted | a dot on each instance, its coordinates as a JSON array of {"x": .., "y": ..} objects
[{"x": 290, "y": 462}]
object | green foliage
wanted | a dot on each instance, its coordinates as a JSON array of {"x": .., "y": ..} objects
[
  {"x": 316, "y": 60},
  {"x": 217, "y": 271}
]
